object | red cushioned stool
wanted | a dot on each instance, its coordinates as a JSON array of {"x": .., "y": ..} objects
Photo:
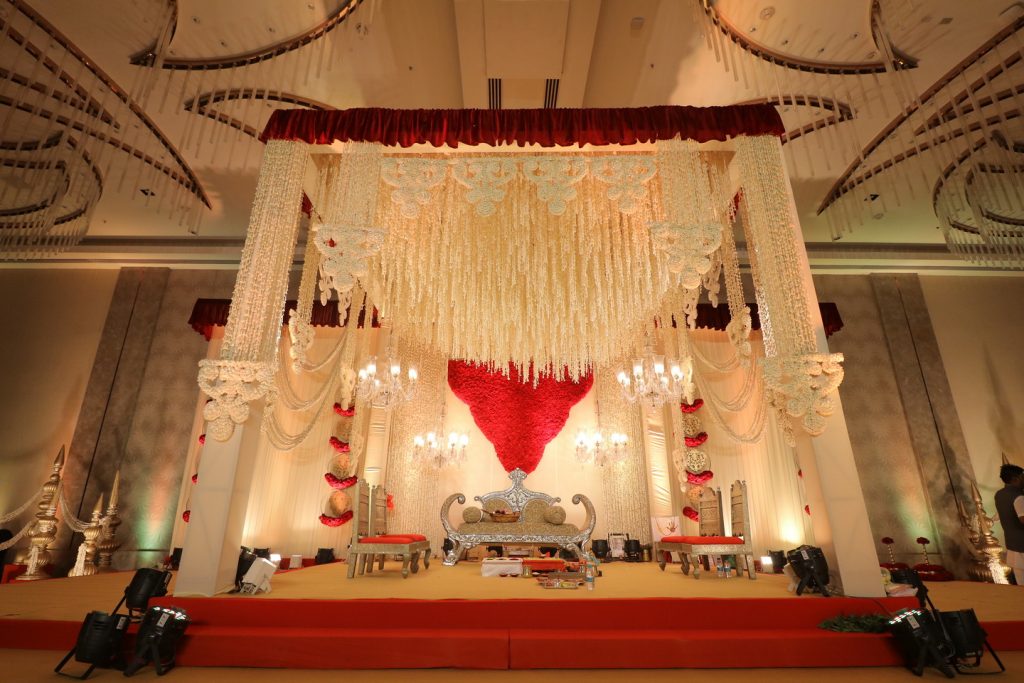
[{"x": 372, "y": 543}]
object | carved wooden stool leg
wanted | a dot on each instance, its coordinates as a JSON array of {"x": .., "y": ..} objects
[
  {"x": 405, "y": 565},
  {"x": 416, "y": 562},
  {"x": 381, "y": 565},
  {"x": 685, "y": 562},
  {"x": 370, "y": 560},
  {"x": 352, "y": 559},
  {"x": 661, "y": 558},
  {"x": 750, "y": 567},
  {"x": 426, "y": 558},
  {"x": 695, "y": 559},
  {"x": 362, "y": 563}
]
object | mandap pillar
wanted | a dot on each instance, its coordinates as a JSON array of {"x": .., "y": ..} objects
[
  {"x": 240, "y": 380},
  {"x": 801, "y": 376}
]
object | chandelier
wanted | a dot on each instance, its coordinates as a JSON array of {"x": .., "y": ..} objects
[
  {"x": 388, "y": 389},
  {"x": 592, "y": 448},
  {"x": 428, "y": 448},
  {"x": 652, "y": 385}
]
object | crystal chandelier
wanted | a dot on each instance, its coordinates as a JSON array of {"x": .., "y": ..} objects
[
  {"x": 428, "y": 448},
  {"x": 386, "y": 390},
  {"x": 592, "y": 448},
  {"x": 652, "y": 385}
]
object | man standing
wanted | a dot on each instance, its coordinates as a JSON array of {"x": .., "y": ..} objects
[{"x": 1010, "y": 507}]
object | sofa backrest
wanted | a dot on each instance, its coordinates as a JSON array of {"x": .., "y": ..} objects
[{"x": 514, "y": 497}]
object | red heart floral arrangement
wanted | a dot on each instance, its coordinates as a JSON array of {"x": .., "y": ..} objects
[
  {"x": 336, "y": 521},
  {"x": 697, "y": 440},
  {"x": 339, "y": 484},
  {"x": 344, "y": 412},
  {"x": 699, "y": 479},
  {"x": 339, "y": 445},
  {"x": 691, "y": 407},
  {"x": 690, "y": 513},
  {"x": 518, "y": 418}
]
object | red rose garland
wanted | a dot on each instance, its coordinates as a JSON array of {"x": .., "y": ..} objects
[
  {"x": 187, "y": 514},
  {"x": 694, "y": 438},
  {"x": 336, "y": 521},
  {"x": 341, "y": 448},
  {"x": 695, "y": 441},
  {"x": 337, "y": 483},
  {"x": 691, "y": 407},
  {"x": 699, "y": 479}
]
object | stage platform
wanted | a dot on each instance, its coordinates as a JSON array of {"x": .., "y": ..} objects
[{"x": 638, "y": 617}]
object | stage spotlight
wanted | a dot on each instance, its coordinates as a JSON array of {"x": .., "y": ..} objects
[
  {"x": 98, "y": 643},
  {"x": 600, "y": 548},
  {"x": 326, "y": 555},
  {"x": 157, "y": 639},
  {"x": 811, "y": 568},
  {"x": 175, "y": 559},
  {"x": 634, "y": 551},
  {"x": 922, "y": 642},
  {"x": 778, "y": 560},
  {"x": 146, "y": 584},
  {"x": 262, "y": 552},
  {"x": 245, "y": 559},
  {"x": 257, "y": 577}
]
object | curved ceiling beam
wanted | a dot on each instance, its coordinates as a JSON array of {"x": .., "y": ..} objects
[
  {"x": 842, "y": 184},
  {"x": 193, "y": 185},
  {"x": 148, "y": 57},
  {"x": 116, "y": 143},
  {"x": 203, "y": 105},
  {"x": 842, "y": 110},
  {"x": 86, "y": 104},
  {"x": 72, "y": 215},
  {"x": 767, "y": 54}
]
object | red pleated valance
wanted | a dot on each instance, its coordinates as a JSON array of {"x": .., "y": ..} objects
[
  {"x": 210, "y": 313},
  {"x": 546, "y": 127}
]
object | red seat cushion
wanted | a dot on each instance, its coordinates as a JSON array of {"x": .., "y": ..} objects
[
  {"x": 412, "y": 537},
  {"x": 390, "y": 539},
  {"x": 704, "y": 540}
]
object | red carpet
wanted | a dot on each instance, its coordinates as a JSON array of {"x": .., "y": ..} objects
[{"x": 518, "y": 634}]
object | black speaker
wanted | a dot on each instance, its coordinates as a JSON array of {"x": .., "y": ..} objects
[
  {"x": 98, "y": 643},
  {"x": 157, "y": 639},
  {"x": 811, "y": 569},
  {"x": 324, "y": 556},
  {"x": 262, "y": 552},
  {"x": 145, "y": 585}
]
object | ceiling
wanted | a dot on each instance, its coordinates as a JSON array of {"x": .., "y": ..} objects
[{"x": 164, "y": 99}]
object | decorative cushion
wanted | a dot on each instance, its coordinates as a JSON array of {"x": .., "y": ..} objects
[
  {"x": 527, "y": 529},
  {"x": 704, "y": 540},
  {"x": 472, "y": 515},
  {"x": 496, "y": 504},
  {"x": 535, "y": 511},
  {"x": 555, "y": 514},
  {"x": 388, "y": 540}
]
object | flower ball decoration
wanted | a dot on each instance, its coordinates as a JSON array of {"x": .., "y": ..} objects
[
  {"x": 341, "y": 465},
  {"x": 694, "y": 493},
  {"x": 696, "y": 460},
  {"x": 338, "y": 503}
]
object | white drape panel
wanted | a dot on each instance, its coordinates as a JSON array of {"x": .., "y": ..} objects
[
  {"x": 768, "y": 466},
  {"x": 288, "y": 490}
]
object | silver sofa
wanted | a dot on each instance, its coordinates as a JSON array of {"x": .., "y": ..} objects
[{"x": 533, "y": 527}]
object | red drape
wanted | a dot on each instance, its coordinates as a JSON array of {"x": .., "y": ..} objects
[
  {"x": 546, "y": 127},
  {"x": 519, "y": 419},
  {"x": 210, "y": 313}
]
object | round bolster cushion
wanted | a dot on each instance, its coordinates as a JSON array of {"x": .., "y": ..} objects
[
  {"x": 472, "y": 515},
  {"x": 555, "y": 515}
]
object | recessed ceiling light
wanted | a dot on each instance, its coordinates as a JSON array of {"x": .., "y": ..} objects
[
  {"x": 785, "y": 41},
  {"x": 872, "y": 54},
  {"x": 854, "y": 36},
  {"x": 271, "y": 29},
  {"x": 768, "y": 12},
  {"x": 636, "y": 23},
  {"x": 147, "y": 192},
  {"x": 195, "y": 20},
  {"x": 945, "y": 20},
  {"x": 223, "y": 43}
]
